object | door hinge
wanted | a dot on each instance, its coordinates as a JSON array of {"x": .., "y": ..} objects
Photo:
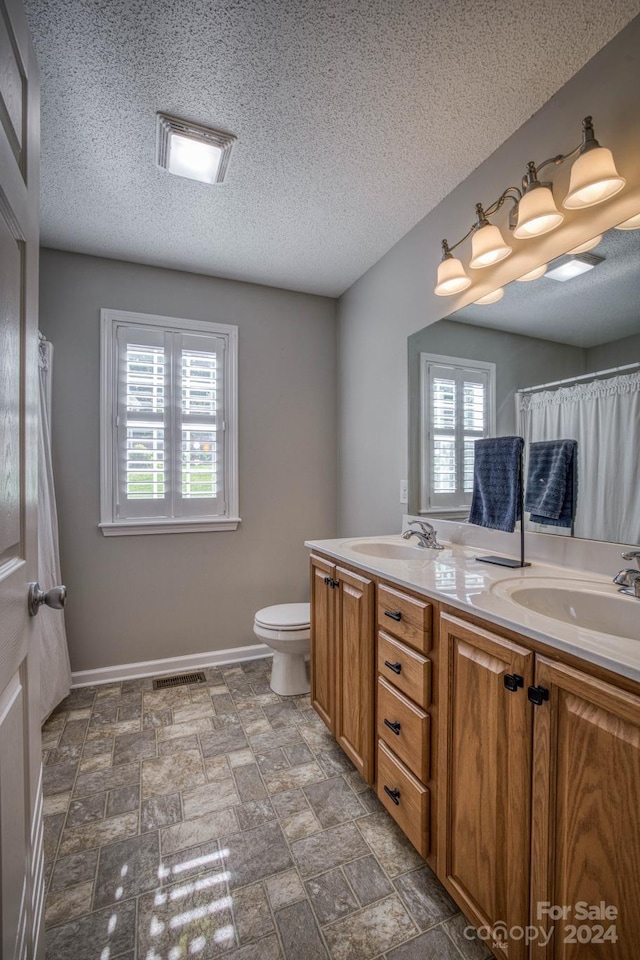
[{"x": 538, "y": 695}]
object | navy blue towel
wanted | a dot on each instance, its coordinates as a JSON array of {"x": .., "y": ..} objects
[
  {"x": 552, "y": 482},
  {"x": 497, "y": 483}
]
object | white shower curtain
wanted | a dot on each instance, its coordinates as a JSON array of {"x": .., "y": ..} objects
[
  {"x": 55, "y": 671},
  {"x": 604, "y": 417}
]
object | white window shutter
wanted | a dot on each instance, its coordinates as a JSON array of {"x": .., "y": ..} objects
[
  {"x": 168, "y": 396},
  {"x": 457, "y": 409}
]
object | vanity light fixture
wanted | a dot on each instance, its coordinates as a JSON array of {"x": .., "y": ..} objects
[
  {"x": 192, "y": 150},
  {"x": 537, "y": 211},
  {"x": 587, "y": 245},
  {"x": 594, "y": 179},
  {"x": 633, "y": 223},
  {"x": 487, "y": 244},
  {"x": 452, "y": 277},
  {"x": 533, "y": 274}
]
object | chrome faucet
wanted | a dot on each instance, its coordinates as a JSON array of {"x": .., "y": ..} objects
[
  {"x": 629, "y": 580},
  {"x": 426, "y": 535}
]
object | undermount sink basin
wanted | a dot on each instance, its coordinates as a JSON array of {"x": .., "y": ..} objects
[
  {"x": 389, "y": 550},
  {"x": 590, "y": 606}
]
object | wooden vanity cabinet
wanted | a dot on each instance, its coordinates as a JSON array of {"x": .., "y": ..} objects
[
  {"x": 539, "y": 798},
  {"x": 323, "y": 645},
  {"x": 484, "y": 774},
  {"x": 343, "y": 660},
  {"x": 515, "y": 772},
  {"x": 586, "y": 812}
]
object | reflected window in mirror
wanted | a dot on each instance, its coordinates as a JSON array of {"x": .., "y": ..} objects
[{"x": 458, "y": 408}]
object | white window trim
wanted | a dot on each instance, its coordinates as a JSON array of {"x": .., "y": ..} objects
[
  {"x": 425, "y": 401},
  {"x": 110, "y": 526}
]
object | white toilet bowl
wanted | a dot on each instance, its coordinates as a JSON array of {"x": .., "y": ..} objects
[{"x": 286, "y": 628}]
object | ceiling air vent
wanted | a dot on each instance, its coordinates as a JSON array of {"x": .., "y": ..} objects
[{"x": 191, "y": 150}]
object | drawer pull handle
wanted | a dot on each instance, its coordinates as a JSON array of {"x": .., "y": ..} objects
[
  {"x": 393, "y": 614},
  {"x": 395, "y": 726},
  {"x": 396, "y": 667},
  {"x": 393, "y": 794},
  {"x": 512, "y": 681}
]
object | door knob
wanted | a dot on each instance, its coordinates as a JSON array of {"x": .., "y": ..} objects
[{"x": 54, "y": 598}]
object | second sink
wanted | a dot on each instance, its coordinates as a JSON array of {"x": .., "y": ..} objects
[{"x": 591, "y": 606}]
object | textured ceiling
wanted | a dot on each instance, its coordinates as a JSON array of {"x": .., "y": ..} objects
[
  {"x": 594, "y": 308},
  {"x": 354, "y": 118}
]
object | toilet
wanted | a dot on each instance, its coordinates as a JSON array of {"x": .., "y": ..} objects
[{"x": 286, "y": 628}]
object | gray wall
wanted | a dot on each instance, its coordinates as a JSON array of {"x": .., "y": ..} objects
[
  {"x": 614, "y": 354},
  {"x": 395, "y": 297},
  {"x": 520, "y": 362},
  {"x": 147, "y": 597}
]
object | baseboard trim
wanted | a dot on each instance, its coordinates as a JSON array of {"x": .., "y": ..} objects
[{"x": 152, "y": 668}]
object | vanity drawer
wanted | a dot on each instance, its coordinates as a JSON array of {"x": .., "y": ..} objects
[
  {"x": 406, "y": 799},
  {"x": 407, "y": 618},
  {"x": 407, "y": 670},
  {"x": 404, "y": 728}
]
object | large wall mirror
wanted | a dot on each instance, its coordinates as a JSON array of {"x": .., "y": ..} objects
[{"x": 558, "y": 357}]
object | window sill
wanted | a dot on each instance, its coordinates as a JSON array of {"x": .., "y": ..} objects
[{"x": 133, "y": 528}]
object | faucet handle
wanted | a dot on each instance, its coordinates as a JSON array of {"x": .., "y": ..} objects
[
  {"x": 632, "y": 555},
  {"x": 423, "y": 524}
]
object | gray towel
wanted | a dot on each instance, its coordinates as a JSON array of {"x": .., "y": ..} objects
[
  {"x": 497, "y": 483},
  {"x": 551, "y": 490}
]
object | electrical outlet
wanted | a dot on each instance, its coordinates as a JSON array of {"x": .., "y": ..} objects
[{"x": 404, "y": 491}]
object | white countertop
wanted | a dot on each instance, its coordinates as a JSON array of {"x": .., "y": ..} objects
[{"x": 454, "y": 576}]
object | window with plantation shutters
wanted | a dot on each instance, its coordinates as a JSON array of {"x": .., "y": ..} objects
[
  {"x": 458, "y": 408},
  {"x": 168, "y": 425}
]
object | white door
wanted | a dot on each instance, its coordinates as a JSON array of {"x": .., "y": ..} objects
[{"x": 21, "y": 861}]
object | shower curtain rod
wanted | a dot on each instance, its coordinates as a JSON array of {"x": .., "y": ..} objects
[{"x": 583, "y": 376}]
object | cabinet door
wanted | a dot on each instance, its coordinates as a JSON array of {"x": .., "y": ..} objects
[
  {"x": 355, "y": 670},
  {"x": 586, "y": 814},
  {"x": 323, "y": 659},
  {"x": 484, "y": 776}
]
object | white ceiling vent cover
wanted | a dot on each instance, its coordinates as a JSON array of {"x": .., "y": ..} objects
[{"x": 191, "y": 150}]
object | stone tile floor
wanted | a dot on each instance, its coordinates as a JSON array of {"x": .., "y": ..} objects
[{"x": 222, "y": 818}]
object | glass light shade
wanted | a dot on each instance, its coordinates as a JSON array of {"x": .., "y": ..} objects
[
  {"x": 537, "y": 214},
  {"x": 587, "y": 245},
  {"x": 492, "y": 297},
  {"x": 633, "y": 223},
  {"x": 594, "y": 178},
  {"x": 452, "y": 278},
  {"x": 533, "y": 274},
  {"x": 487, "y": 247}
]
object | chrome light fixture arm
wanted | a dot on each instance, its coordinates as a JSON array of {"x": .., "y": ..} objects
[
  {"x": 483, "y": 214},
  {"x": 588, "y": 142}
]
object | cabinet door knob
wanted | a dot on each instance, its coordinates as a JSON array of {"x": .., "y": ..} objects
[
  {"x": 393, "y": 614},
  {"x": 393, "y": 794},
  {"x": 396, "y": 667},
  {"x": 538, "y": 695},
  {"x": 512, "y": 681},
  {"x": 393, "y": 725}
]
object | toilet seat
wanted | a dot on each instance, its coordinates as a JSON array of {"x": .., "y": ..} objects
[{"x": 284, "y": 617}]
